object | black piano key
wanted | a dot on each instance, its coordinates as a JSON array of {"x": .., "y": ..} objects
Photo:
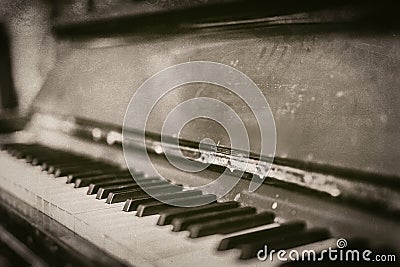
[
  {"x": 181, "y": 223},
  {"x": 64, "y": 172},
  {"x": 82, "y": 182},
  {"x": 155, "y": 207},
  {"x": 121, "y": 196},
  {"x": 97, "y": 177},
  {"x": 103, "y": 192},
  {"x": 18, "y": 153},
  {"x": 86, "y": 182},
  {"x": 25, "y": 150},
  {"x": 162, "y": 189},
  {"x": 133, "y": 194},
  {"x": 31, "y": 149},
  {"x": 71, "y": 178},
  {"x": 139, "y": 194},
  {"x": 133, "y": 187},
  {"x": 58, "y": 172},
  {"x": 61, "y": 172},
  {"x": 117, "y": 197},
  {"x": 51, "y": 167},
  {"x": 285, "y": 228},
  {"x": 142, "y": 178},
  {"x": 151, "y": 208},
  {"x": 230, "y": 225},
  {"x": 29, "y": 152},
  {"x": 59, "y": 158},
  {"x": 95, "y": 186},
  {"x": 79, "y": 163},
  {"x": 9, "y": 146},
  {"x": 42, "y": 158},
  {"x": 284, "y": 241},
  {"x": 131, "y": 204},
  {"x": 64, "y": 161},
  {"x": 195, "y": 201},
  {"x": 299, "y": 239},
  {"x": 167, "y": 216},
  {"x": 39, "y": 160},
  {"x": 179, "y": 195}
]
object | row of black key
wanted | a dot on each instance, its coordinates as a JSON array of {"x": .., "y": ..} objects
[{"x": 116, "y": 185}]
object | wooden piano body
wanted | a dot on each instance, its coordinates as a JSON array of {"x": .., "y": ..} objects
[{"x": 329, "y": 75}]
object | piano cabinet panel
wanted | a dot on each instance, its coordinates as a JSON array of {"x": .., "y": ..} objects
[{"x": 334, "y": 92}]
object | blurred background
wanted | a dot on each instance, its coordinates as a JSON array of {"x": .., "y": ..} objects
[
  {"x": 26, "y": 52},
  {"x": 27, "y": 49}
]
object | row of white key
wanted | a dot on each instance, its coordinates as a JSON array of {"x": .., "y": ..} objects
[{"x": 137, "y": 240}]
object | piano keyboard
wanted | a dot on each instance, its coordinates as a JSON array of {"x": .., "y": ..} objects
[{"x": 102, "y": 203}]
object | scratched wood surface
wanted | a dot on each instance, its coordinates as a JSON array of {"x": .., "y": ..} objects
[{"x": 334, "y": 92}]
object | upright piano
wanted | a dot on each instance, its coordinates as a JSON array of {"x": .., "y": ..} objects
[{"x": 330, "y": 72}]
